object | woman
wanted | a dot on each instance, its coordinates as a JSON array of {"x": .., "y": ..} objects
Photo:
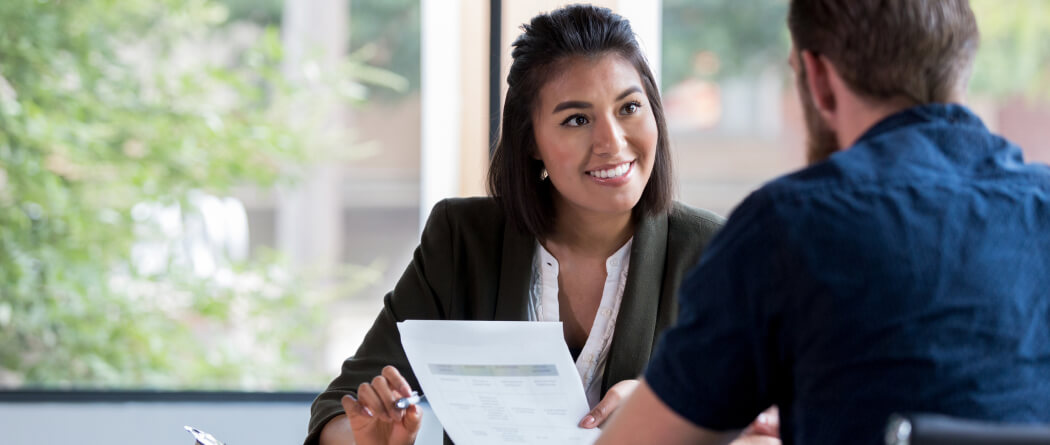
[{"x": 581, "y": 229}]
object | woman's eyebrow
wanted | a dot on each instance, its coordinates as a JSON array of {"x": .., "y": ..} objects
[
  {"x": 627, "y": 92},
  {"x": 571, "y": 104},
  {"x": 581, "y": 104}
]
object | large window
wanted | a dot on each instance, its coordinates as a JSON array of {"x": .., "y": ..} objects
[
  {"x": 201, "y": 194},
  {"x": 216, "y": 194}
]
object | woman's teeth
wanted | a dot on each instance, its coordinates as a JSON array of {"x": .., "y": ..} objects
[{"x": 612, "y": 172}]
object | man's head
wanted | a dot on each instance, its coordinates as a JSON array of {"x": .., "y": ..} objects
[{"x": 884, "y": 54}]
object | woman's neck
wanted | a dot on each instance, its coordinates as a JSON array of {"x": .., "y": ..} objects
[{"x": 589, "y": 233}]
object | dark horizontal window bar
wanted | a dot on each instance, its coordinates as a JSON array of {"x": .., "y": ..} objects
[{"x": 122, "y": 396}]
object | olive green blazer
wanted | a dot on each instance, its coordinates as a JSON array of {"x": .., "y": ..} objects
[{"x": 473, "y": 264}]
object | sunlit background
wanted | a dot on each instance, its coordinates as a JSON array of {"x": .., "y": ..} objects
[{"x": 216, "y": 194}]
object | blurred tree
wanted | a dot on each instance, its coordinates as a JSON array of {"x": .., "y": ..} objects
[
  {"x": 263, "y": 12},
  {"x": 388, "y": 32},
  {"x": 383, "y": 33},
  {"x": 746, "y": 35},
  {"x": 717, "y": 39},
  {"x": 105, "y": 104},
  {"x": 1014, "y": 57}
]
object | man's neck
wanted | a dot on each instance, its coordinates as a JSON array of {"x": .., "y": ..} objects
[{"x": 864, "y": 115}]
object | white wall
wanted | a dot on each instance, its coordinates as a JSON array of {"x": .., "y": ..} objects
[
  {"x": 160, "y": 423},
  {"x": 151, "y": 423}
]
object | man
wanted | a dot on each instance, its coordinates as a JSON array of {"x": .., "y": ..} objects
[{"x": 906, "y": 270}]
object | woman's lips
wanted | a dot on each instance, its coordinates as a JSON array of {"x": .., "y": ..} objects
[{"x": 615, "y": 175}]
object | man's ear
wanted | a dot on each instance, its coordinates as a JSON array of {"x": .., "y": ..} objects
[{"x": 818, "y": 78}]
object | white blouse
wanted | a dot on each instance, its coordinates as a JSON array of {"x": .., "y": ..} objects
[{"x": 543, "y": 306}]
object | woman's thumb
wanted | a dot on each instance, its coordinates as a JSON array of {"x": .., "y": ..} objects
[
  {"x": 410, "y": 423},
  {"x": 595, "y": 417},
  {"x": 413, "y": 418}
]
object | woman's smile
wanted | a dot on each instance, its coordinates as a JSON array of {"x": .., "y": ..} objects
[{"x": 612, "y": 175}]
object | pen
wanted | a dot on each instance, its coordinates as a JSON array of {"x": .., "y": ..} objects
[
  {"x": 409, "y": 401},
  {"x": 201, "y": 437}
]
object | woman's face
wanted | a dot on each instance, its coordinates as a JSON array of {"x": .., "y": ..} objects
[{"x": 596, "y": 135}]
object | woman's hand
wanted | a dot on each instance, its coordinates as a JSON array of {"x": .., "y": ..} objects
[
  {"x": 373, "y": 417},
  {"x": 601, "y": 412}
]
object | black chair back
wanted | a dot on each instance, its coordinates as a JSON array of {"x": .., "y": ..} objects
[{"x": 934, "y": 429}]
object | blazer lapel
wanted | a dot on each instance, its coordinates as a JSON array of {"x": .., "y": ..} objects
[
  {"x": 515, "y": 274},
  {"x": 636, "y": 323}
]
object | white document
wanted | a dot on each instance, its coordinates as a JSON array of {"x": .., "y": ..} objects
[{"x": 499, "y": 382}]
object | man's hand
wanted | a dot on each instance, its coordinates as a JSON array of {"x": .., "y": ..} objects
[
  {"x": 766, "y": 424},
  {"x": 644, "y": 418},
  {"x": 373, "y": 417},
  {"x": 756, "y": 440},
  {"x": 616, "y": 394}
]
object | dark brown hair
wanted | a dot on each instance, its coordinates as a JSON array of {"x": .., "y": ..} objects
[
  {"x": 884, "y": 49},
  {"x": 548, "y": 40}
]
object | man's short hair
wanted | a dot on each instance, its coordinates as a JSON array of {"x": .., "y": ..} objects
[{"x": 921, "y": 50}]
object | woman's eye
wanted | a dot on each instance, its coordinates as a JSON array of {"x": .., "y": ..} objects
[
  {"x": 576, "y": 120},
  {"x": 631, "y": 108}
]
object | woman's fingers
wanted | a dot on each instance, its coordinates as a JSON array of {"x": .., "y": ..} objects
[
  {"x": 387, "y": 398},
  {"x": 382, "y": 392},
  {"x": 354, "y": 409},
  {"x": 366, "y": 395},
  {"x": 396, "y": 381}
]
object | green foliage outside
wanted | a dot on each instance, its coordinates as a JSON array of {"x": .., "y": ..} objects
[
  {"x": 745, "y": 36},
  {"x": 102, "y": 107},
  {"x": 385, "y": 33},
  {"x": 263, "y": 12},
  {"x": 1014, "y": 57},
  {"x": 749, "y": 35},
  {"x": 389, "y": 32}
]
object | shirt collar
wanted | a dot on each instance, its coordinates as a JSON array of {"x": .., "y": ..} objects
[
  {"x": 613, "y": 265},
  {"x": 950, "y": 113},
  {"x": 618, "y": 261}
]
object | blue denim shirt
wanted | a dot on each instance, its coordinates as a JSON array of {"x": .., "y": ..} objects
[{"x": 908, "y": 273}]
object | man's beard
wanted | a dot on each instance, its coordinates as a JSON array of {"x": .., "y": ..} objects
[{"x": 821, "y": 141}]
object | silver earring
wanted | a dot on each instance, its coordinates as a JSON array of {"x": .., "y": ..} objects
[{"x": 543, "y": 174}]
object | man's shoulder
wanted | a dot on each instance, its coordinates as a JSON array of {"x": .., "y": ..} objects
[{"x": 924, "y": 157}]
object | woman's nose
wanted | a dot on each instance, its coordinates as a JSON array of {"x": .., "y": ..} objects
[{"x": 609, "y": 137}]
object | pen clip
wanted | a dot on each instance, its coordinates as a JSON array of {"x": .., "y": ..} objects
[
  {"x": 202, "y": 437},
  {"x": 406, "y": 402}
]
